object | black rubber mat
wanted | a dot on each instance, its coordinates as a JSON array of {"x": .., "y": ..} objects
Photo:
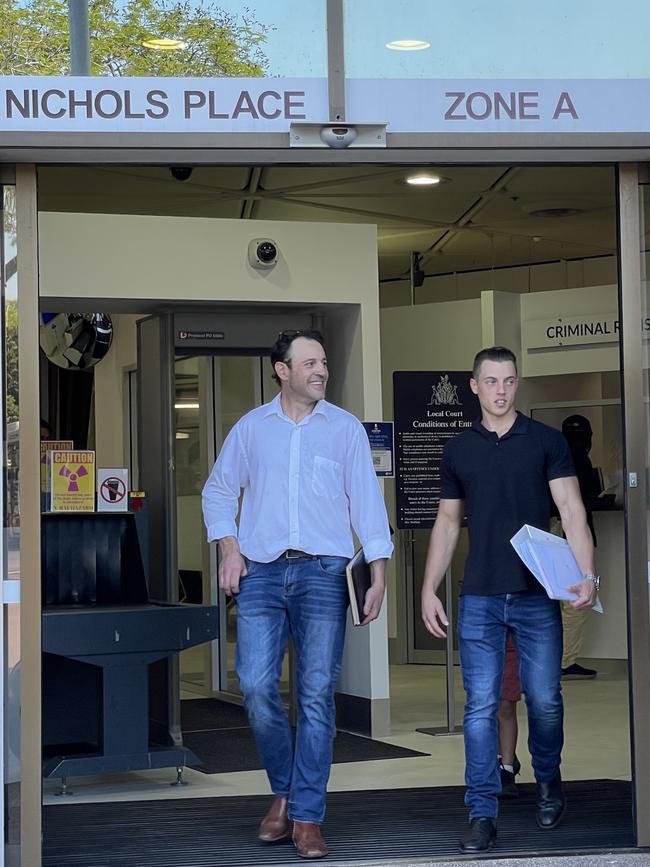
[
  {"x": 360, "y": 826},
  {"x": 198, "y": 714},
  {"x": 218, "y": 733},
  {"x": 225, "y": 750}
]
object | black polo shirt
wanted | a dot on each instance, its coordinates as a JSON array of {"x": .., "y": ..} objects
[{"x": 504, "y": 483}]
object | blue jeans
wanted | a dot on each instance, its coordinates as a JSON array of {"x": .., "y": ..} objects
[
  {"x": 536, "y": 625},
  {"x": 307, "y": 599}
]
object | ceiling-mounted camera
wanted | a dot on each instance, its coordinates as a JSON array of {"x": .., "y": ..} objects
[
  {"x": 181, "y": 173},
  {"x": 262, "y": 253},
  {"x": 338, "y": 136}
]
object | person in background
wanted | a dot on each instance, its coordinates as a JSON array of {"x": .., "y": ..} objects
[
  {"x": 46, "y": 430},
  {"x": 578, "y": 433},
  {"x": 509, "y": 764},
  {"x": 307, "y": 475},
  {"x": 502, "y": 473}
]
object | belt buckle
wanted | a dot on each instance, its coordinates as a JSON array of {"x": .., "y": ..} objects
[{"x": 292, "y": 554}]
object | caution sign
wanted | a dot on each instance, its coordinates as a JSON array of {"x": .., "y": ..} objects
[
  {"x": 112, "y": 490},
  {"x": 48, "y": 446},
  {"x": 72, "y": 481}
]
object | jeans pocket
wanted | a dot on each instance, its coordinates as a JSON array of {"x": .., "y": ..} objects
[
  {"x": 472, "y": 617},
  {"x": 251, "y": 566},
  {"x": 333, "y": 565}
]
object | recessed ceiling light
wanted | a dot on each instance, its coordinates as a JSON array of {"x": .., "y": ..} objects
[
  {"x": 163, "y": 43},
  {"x": 182, "y": 435},
  {"x": 423, "y": 179},
  {"x": 408, "y": 45},
  {"x": 553, "y": 208},
  {"x": 190, "y": 404}
]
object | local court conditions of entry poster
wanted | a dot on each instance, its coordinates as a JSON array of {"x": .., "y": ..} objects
[{"x": 430, "y": 407}]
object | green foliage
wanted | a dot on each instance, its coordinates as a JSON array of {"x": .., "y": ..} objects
[
  {"x": 34, "y": 39},
  {"x": 11, "y": 360}
]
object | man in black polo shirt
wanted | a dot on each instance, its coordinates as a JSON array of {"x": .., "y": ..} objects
[{"x": 502, "y": 473}]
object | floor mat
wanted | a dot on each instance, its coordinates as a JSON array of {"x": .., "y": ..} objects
[
  {"x": 198, "y": 714},
  {"x": 218, "y": 734},
  {"x": 360, "y": 826},
  {"x": 222, "y": 751}
]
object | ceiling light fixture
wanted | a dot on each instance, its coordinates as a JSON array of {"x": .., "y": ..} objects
[
  {"x": 423, "y": 180},
  {"x": 187, "y": 405},
  {"x": 553, "y": 208},
  {"x": 164, "y": 43},
  {"x": 408, "y": 45},
  {"x": 182, "y": 435}
]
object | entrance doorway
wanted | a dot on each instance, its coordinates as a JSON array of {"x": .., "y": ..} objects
[
  {"x": 439, "y": 323},
  {"x": 210, "y": 394}
]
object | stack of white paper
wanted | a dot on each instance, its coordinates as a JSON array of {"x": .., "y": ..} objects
[{"x": 551, "y": 561}]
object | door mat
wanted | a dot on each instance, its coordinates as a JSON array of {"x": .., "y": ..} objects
[
  {"x": 218, "y": 734},
  {"x": 406, "y": 824},
  {"x": 222, "y": 751}
]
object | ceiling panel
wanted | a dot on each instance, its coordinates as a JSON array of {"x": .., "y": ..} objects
[{"x": 477, "y": 217}]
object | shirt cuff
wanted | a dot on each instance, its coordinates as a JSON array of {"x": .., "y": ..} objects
[
  {"x": 220, "y": 529},
  {"x": 378, "y": 548}
]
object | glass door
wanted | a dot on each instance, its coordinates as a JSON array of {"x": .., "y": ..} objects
[
  {"x": 211, "y": 394},
  {"x": 10, "y": 560}
]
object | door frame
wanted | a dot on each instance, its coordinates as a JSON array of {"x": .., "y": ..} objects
[
  {"x": 636, "y": 509},
  {"x": 631, "y": 358}
]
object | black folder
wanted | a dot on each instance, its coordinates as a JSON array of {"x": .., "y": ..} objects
[{"x": 358, "y": 575}]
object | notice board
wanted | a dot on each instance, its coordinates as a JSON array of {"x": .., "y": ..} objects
[{"x": 430, "y": 407}]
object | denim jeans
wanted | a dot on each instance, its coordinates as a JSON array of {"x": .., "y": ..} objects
[
  {"x": 536, "y": 625},
  {"x": 305, "y": 598}
]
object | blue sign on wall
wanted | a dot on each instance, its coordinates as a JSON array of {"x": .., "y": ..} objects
[{"x": 380, "y": 436}]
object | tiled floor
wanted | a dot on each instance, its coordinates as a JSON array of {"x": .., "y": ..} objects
[{"x": 596, "y": 730}]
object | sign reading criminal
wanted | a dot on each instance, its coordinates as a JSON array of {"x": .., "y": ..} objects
[{"x": 430, "y": 409}]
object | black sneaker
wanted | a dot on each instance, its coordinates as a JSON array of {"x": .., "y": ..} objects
[
  {"x": 508, "y": 783},
  {"x": 578, "y": 672}
]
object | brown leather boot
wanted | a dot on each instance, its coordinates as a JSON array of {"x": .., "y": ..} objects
[
  {"x": 308, "y": 841},
  {"x": 275, "y": 826}
]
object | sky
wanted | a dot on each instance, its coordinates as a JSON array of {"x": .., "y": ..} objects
[{"x": 469, "y": 38}]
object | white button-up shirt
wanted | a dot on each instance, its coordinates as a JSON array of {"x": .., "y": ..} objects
[{"x": 305, "y": 484}]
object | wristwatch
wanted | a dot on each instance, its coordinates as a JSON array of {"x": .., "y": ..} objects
[{"x": 595, "y": 578}]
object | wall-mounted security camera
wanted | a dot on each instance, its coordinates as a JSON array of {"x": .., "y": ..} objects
[
  {"x": 262, "y": 253},
  {"x": 181, "y": 173},
  {"x": 338, "y": 136}
]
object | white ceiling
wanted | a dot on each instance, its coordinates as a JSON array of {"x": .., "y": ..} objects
[{"x": 477, "y": 217}]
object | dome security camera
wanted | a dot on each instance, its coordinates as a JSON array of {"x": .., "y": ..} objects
[
  {"x": 262, "y": 253},
  {"x": 338, "y": 136},
  {"x": 181, "y": 173}
]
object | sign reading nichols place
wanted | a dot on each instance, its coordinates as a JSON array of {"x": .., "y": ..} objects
[
  {"x": 430, "y": 408},
  {"x": 120, "y": 105}
]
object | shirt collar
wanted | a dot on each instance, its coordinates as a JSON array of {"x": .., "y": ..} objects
[
  {"x": 275, "y": 408},
  {"x": 520, "y": 426}
]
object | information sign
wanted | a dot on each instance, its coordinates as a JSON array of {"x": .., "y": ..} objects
[
  {"x": 380, "y": 437},
  {"x": 431, "y": 407}
]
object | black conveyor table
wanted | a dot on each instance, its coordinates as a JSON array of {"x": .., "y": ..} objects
[{"x": 101, "y": 632}]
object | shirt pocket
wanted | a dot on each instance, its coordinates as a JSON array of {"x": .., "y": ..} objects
[{"x": 327, "y": 478}]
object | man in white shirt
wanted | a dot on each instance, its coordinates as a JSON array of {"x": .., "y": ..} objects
[{"x": 307, "y": 475}]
